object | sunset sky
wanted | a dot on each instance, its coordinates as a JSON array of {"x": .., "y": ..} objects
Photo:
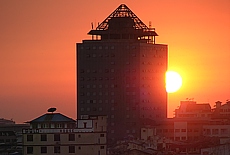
[{"x": 38, "y": 50}]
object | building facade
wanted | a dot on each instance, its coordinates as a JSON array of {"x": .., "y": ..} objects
[
  {"x": 121, "y": 74},
  {"x": 189, "y": 109},
  {"x": 11, "y": 137},
  {"x": 54, "y": 133}
]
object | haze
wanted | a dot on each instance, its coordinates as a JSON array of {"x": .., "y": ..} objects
[{"x": 37, "y": 50}]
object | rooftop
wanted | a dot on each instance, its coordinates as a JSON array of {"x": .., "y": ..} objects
[
  {"x": 124, "y": 24},
  {"x": 52, "y": 117}
]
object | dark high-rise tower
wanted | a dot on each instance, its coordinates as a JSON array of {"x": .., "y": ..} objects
[{"x": 121, "y": 73}]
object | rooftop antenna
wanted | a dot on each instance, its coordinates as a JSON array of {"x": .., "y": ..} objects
[
  {"x": 51, "y": 110},
  {"x": 92, "y": 25},
  {"x": 92, "y": 29}
]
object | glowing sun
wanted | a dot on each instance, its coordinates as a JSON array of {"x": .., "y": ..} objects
[{"x": 173, "y": 81}]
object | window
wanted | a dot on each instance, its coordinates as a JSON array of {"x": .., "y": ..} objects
[
  {"x": 43, "y": 149},
  {"x": 102, "y": 147},
  {"x": 177, "y": 138},
  {"x": 102, "y": 135},
  {"x": 56, "y": 137},
  {"x": 71, "y": 137},
  {"x": 71, "y": 149},
  {"x": 43, "y": 137},
  {"x": 57, "y": 149},
  {"x": 183, "y": 130},
  {"x": 45, "y": 125},
  {"x": 224, "y": 131},
  {"x": 30, "y": 150},
  {"x": 215, "y": 131},
  {"x": 29, "y": 138},
  {"x": 177, "y": 130},
  {"x": 183, "y": 138},
  {"x": 165, "y": 130},
  {"x": 59, "y": 125}
]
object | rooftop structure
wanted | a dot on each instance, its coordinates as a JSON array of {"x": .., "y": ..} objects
[
  {"x": 124, "y": 24},
  {"x": 221, "y": 111},
  {"x": 191, "y": 110}
]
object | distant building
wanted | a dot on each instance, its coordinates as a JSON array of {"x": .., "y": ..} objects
[
  {"x": 6, "y": 121},
  {"x": 54, "y": 133},
  {"x": 191, "y": 110},
  {"x": 11, "y": 137},
  {"x": 221, "y": 111},
  {"x": 195, "y": 129},
  {"x": 222, "y": 149},
  {"x": 121, "y": 74}
]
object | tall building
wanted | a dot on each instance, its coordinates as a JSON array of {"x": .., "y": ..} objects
[{"x": 121, "y": 74}]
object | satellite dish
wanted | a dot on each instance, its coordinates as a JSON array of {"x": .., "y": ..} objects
[{"x": 51, "y": 110}]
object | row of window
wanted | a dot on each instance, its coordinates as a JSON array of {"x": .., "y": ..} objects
[
  {"x": 56, "y": 137},
  {"x": 56, "y": 149},
  {"x": 54, "y": 125},
  {"x": 215, "y": 131},
  {"x": 8, "y": 140},
  {"x": 113, "y": 108},
  {"x": 224, "y": 110},
  {"x": 106, "y": 55},
  {"x": 94, "y": 55},
  {"x": 109, "y": 86},
  {"x": 151, "y": 116},
  {"x": 99, "y": 101},
  {"x": 113, "y": 78},
  {"x": 94, "y": 78},
  {"x": 96, "y": 93},
  {"x": 113, "y": 101},
  {"x": 97, "y": 47},
  {"x": 152, "y": 55},
  {"x": 97, "y": 71},
  {"x": 176, "y": 130},
  {"x": 127, "y": 123},
  {"x": 127, "y": 70},
  {"x": 127, "y": 131},
  {"x": 155, "y": 49},
  {"x": 128, "y": 85}
]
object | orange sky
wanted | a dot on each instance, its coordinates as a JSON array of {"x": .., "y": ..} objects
[{"x": 37, "y": 49}]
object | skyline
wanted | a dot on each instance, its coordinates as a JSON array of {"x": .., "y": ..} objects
[{"x": 38, "y": 50}]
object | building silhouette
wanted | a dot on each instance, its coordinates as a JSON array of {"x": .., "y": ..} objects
[
  {"x": 55, "y": 133},
  {"x": 121, "y": 74}
]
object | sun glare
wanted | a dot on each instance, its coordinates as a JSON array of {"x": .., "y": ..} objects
[{"x": 173, "y": 81}]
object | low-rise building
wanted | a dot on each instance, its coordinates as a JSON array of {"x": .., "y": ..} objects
[
  {"x": 55, "y": 133},
  {"x": 221, "y": 110},
  {"x": 191, "y": 110},
  {"x": 11, "y": 136}
]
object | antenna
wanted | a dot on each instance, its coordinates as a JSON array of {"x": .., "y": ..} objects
[
  {"x": 92, "y": 25},
  {"x": 51, "y": 110}
]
